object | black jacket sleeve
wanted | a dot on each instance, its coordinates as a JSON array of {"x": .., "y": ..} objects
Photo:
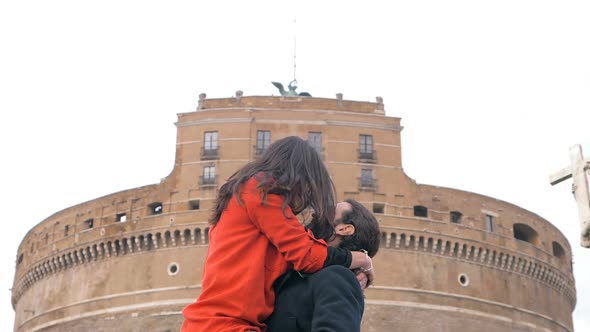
[{"x": 338, "y": 256}]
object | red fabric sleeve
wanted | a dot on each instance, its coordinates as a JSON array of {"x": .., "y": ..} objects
[{"x": 298, "y": 246}]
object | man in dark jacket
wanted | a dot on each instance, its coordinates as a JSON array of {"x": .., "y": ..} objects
[{"x": 330, "y": 299}]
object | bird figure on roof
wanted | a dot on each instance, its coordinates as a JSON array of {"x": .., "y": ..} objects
[{"x": 291, "y": 92}]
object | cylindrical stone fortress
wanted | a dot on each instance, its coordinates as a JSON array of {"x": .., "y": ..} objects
[{"x": 450, "y": 260}]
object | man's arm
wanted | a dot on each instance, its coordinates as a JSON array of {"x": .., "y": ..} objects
[{"x": 338, "y": 300}]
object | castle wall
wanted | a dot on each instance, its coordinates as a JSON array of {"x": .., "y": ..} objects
[{"x": 132, "y": 260}]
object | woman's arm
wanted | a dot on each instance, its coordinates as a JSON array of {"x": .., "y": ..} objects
[{"x": 296, "y": 245}]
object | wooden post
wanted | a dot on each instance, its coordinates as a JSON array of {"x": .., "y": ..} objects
[{"x": 577, "y": 170}]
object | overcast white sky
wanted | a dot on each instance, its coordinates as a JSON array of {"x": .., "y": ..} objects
[{"x": 491, "y": 94}]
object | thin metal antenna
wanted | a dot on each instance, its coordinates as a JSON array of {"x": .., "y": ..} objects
[{"x": 295, "y": 49}]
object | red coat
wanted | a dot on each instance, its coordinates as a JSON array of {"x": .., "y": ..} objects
[{"x": 249, "y": 248}]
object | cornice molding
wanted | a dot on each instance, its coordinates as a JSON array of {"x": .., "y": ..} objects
[{"x": 379, "y": 126}]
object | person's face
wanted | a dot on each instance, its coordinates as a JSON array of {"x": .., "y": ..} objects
[{"x": 340, "y": 228}]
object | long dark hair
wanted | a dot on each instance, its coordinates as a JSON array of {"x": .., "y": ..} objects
[{"x": 290, "y": 167}]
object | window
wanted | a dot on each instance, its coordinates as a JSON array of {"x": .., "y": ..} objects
[
  {"x": 456, "y": 217},
  {"x": 156, "y": 208},
  {"x": 211, "y": 140},
  {"x": 121, "y": 217},
  {"x": 525, "y": 233},
  {"x": 89, "y": 223},
  {"x": 378, "y": 208},
  {"x": 463, "y": 280},
  {"x": 209, "y": 172},
  {"x": 366, "y": 177},
  {"x": 208, "y": 175},
  {"x": 366, "y": 147},
  {"x": 194, "y": 204},
  {"x": 558, "y": 250},
  {"x": 420, "y": 211},
  {"x": 489, "y": 223},
  {"x": 173, "y": 269},
  {"x": 262, "y": 141},
  {"x": 315, "y": 140},
  {"x": 210, "y": 147},
  {"x": 66, "y": 230}
]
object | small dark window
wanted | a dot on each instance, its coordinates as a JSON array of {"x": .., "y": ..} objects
[
  {"x": 558, "y": 250},
  {"x": 121, "y": 217},
  {"x": 173, "y": 269},
  {"x": 194, "y": 204},
  {"x": 420, "y": 211},
  {"x": 378, "y": 208},
  {"x": 66, "y": 230},
  {"x": 89, "y": 224},
  {"x": 20, "y": 259},
  {"x": 156, "y": 208},
  {"x": 525, "y": 233},
  {"x": 456, "y": 217},
  {"x": 46, "y": 239},
  {"x": 489, "y": 223},
  {"x": 463, "y": 280}
]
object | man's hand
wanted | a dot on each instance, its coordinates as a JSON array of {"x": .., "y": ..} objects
[
  {"x": 363, "y": 263},
  {"x": 363, "y": 279}
]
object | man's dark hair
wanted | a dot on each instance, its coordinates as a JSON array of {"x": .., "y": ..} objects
[
  {"x": 366, "y": 235},
  {"x": 290, "y": 167}
]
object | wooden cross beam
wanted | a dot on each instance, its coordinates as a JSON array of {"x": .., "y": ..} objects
[{"x": 580, "y": 189}]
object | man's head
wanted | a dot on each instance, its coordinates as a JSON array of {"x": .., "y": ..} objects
[{"x": 356, "y": 228}]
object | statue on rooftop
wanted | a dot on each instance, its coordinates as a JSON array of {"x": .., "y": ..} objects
[{"x": 292, "y": 87}]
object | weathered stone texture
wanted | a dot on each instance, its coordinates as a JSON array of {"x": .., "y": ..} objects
[{"x": 131, "y": 260}]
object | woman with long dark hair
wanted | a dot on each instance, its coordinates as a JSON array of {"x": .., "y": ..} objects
[{"x": 255, "y": 237}]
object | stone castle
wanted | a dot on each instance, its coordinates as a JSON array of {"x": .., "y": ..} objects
[{"x": 450, "y": 260}]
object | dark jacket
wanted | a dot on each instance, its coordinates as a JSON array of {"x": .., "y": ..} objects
[{"x": 328, "y": 300}]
